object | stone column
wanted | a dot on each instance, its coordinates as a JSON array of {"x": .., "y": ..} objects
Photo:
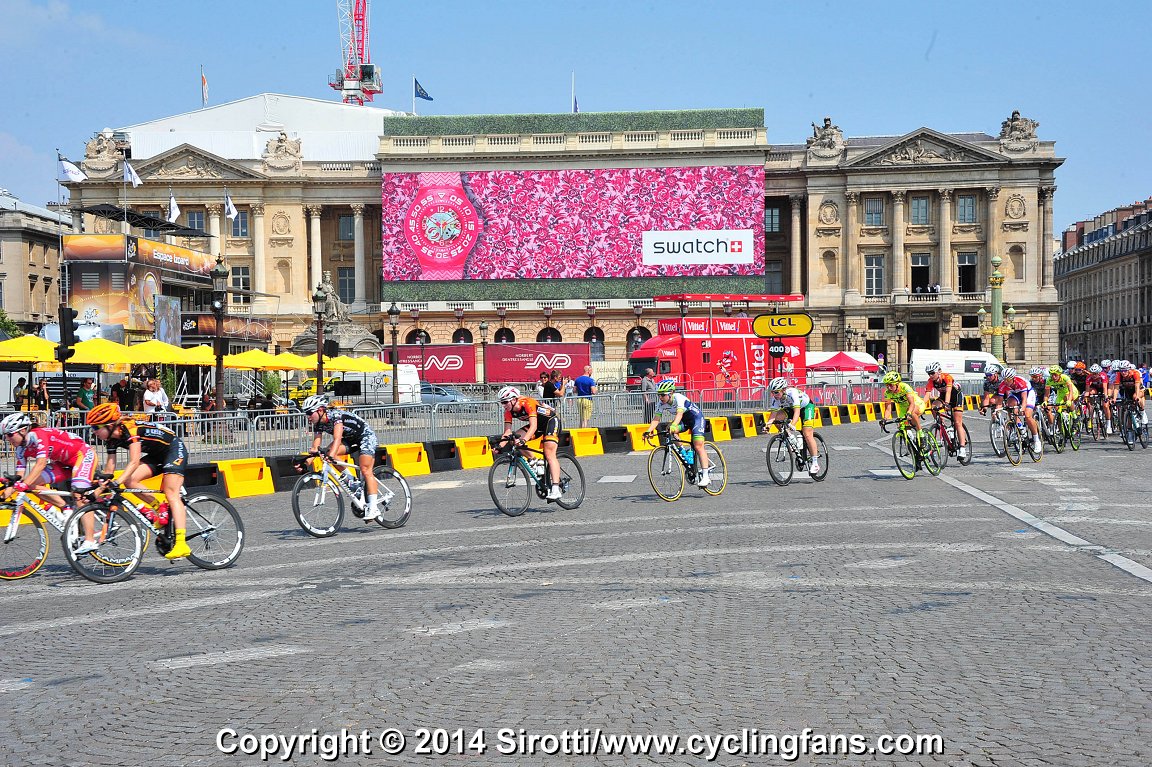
[
  {"x": 214, "y": 212},
  {"x": 946, "y": 268},
  {"x": 316, "y": 274},
  {"x": 77, "y": 221},
  {"x": 358, "y": 252},
  {"x": 992, "y": 231},
  {"x": 899, "y": 257},
  {"x": 1047, "y": 286},
  {"x": 851, "y": 256},
  {"x": 794, "y": 269},
  {"x": 259, "y": 280}
]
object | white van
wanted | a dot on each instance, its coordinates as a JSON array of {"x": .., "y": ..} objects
[
  {"x": 376, "y": 388},
  {"x": 966, "y": 368}
]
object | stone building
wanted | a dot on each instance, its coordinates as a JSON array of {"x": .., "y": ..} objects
[
  {"x": 889, "y": 238},
  {"x": 30, "y": 261}
]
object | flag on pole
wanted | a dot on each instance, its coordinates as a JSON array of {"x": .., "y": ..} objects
[
  {"x": 173, "y": 208},
  {"x": 130, "y": 176},
  {"x": 68, "y": 171},
  {"x": 230, "y": 211},
  {"x": 575, "y": 106},
  {"x": 203, "y": 87},
  {"x": 418, "y": 90}
]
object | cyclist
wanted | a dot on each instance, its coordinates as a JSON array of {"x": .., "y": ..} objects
[
  {"x": 1038, "y": 378},
  {"x": 686, "y": 416},
  {"x": 46, "y": 456},
  {"x": 542, "y": 420},
  {"x": 795, "y": 406},
  {"x": 990, "y": 395},
  {"x": 351, "y": 436},
  {"x": 153, "y": 449},
  {"x": 1097, "y": 386},
  {"x": 1078, "y": 373},
  {"x": 1064, "y": 387},
  {"x": 944, "y": 388},
  {"x": 907, "y": 401},
  {"x": 1014, "y": 387},
  {"x": 1130, "y": 386}
]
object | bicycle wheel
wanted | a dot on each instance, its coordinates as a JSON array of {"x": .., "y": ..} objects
[
  {"x": 933, "y": 453},
  {"x": 1141, "y": 431},
  {"x": 781, "y": 464},
  {"x": 1055, "y": 434},
  {"x": 318, "y": 506},
  {"x": 1012, "y": 447},
  {"x": 510, "y": 486},
  {"x": 825, "y": 458},
  {"x": 571, "y": 482},
  {"x": 904, "y": 455},
  {"x": 121, "y": 544},
  {"x": 215, "y": 532},
  {"x": 395, "y": 498},
  {"x": 1071, "y": 426},
  {"x": 717, "y": 469},
  {"x": 965, "y": 458},
  {"x": 1131, "y": 423},
  {"x": 945, "y": 443},
  {"x": 998, "y": 434},
  {"x": 666, "y": 473},
  {"x": 23, "y": 545}
]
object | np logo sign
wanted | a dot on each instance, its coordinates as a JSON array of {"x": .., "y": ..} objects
[
  {"x": 447, "y": 362},
  {"x": 550, "y": 361},
  {"x": 782, "y": 325}
]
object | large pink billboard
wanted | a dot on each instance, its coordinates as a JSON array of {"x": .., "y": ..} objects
[{"x": 617, "y": 222}]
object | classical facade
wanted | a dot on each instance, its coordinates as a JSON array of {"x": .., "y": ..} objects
[
  {"x": 890, "y": 239},
  {"x": 30, "y": 261},
  {"x": 1104, "y": 275}
]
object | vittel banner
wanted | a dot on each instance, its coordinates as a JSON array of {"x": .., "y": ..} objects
[{"x": 698, "y": 247}]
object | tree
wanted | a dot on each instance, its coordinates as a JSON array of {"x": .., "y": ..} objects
[{"x": 8, "y": 326}]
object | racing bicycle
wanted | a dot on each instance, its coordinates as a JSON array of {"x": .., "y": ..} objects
[
  {"x": 318, "y": 497},
  {"x": 513, "y": 477},
  {"x": 944, "y": 426},
  {"x": 1017, "y": 438},
  {"x": 913, "y": 450},
  {"x": 788, "y": 453},
  {"x": 673, "y": 462},
  {"x": 1132, "y": 426}
]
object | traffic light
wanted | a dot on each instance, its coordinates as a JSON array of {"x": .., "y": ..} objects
[{"x": 68, "y": 327}]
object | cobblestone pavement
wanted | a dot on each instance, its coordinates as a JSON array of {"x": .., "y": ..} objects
[{"x": 866, "y": 604}]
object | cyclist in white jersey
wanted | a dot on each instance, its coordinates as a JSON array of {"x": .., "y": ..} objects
[{"x": 795, "y": 406}]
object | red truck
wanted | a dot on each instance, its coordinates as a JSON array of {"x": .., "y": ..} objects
[{"x": 714, "y": 356}]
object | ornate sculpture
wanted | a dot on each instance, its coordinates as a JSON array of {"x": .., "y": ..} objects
[
  {"x": 826, "y": 141},
  {"x": 282, "y": 153},
  {"x": 190, "y": 167},
  {"x": 1018, "y": 134},
  {"x": 919, "y": 152},
  {"x": 102, "y": 154},
  {"x": 334, "y": 309}
]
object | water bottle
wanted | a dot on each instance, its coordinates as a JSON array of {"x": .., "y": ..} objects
[
  {"x": 950, "y": 431},
  {"x": 349, "y": 480},
  {"x": 689, "y": 456},
  {"x": 538, "y": 465},
  {"x": 796, "y": 441},
  {"x": 160, "y": 516},
  {"x": 355, "y": 486}
]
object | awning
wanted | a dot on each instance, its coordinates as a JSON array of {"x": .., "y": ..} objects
[{"x": 141, "y": 220}]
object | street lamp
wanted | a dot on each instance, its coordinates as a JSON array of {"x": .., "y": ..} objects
[
  {"x": 459, "y": 312},
  {"x": 592, "y": 316},
  {"x": 484, "y": 349},
  {"x": 1086, "y": 325},
  {"x": 727, "y": 309},
  {"x": 850, "y": 338},
  {"x": 420, "y": 339},
  {"x": 548, "y": 316},
  {"x": 394, "y": 321},
  {"x": 219, "y": 296},
  {"x": 637, "y": 339},
  {"x": 899, "y": 344},
  {"x": 501, "y": 312},
  {"x": 318, "y": 301}
]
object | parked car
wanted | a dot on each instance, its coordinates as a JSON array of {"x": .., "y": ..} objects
[{"x": 437, "y": 394}]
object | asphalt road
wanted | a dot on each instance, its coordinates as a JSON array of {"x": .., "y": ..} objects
[{"x": 1004, "y": 610}]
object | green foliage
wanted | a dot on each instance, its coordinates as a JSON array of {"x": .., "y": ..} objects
[
  {"x": 168, "y": 379},
  {"x": 584, "y": 122},
  {"x": 9, "y": 326},
  {"x": 271, "y": 383},
  {"x": 525, "y": 290}
]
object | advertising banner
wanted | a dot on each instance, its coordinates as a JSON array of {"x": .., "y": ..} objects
[
  {"x": 234, "y": 327},
  {"x": 519, "y": 363},
  {"x": 173, "y": 257},
  {"x": 99, "y": 292},
  {"x": 167, "y": 325},
  {"x": 580, "y": 223},
  {"x": 95, "y": 247},
  {"x": 441, "y": 363}
]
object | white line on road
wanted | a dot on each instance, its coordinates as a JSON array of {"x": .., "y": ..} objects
[
  {"x": 883, "y": 564},
  {"x": 627, "y": 604},
  {"x": 229, "y": 656},
  {"x": 620, "y": 478},
  {"x": 12, "y": 685},
  {"x": 472, "y": 624}
]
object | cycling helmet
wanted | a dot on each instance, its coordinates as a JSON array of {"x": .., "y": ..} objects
[
  {"x": 1037, "y": 372},
  {"x": 1008, "y": 373},
  {"x": 892, "y": 378},
  {"x": 102, "y": 415},
  {"x": 667, "y": 386},
  {"x": 1095, "y": 369},
  {"x": 1115, "y": 366},
  {"x": 778, "y": 384},
  {"x": 992, "y": 370},
  {"x": 14, "y": 423},
  {"x": 1126, "y": 365},
  {"x": 1055, "y": 370},
  {"x": 932, "y": 368},
  {"x": 1105, "y": 363},
  {"x": 1072, "y": 364},
  {"x": 314, "y": 403},
  {"x": 508, "y": 394},
  {"x": 1081, "y": 366}
]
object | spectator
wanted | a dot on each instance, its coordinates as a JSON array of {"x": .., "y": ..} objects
[
  {"x": 551, "y": 386},
  {"x": 19, "y": 393},
  {"x": 1144, "y": 374},
  {"x": 85, "y": 399},
  {"x": 208, "y": 400},
  {"x": 122, "y": 394},
  {"x": 155, "y": 398},
  {"x": 541, "y": 385},
  {"x": 648, "y": 388},
  {"x": 585, "y": 388},
  {"x": 41, "y": 397}
]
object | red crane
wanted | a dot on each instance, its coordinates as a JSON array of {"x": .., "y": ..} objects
[{"x": 358, "y": 80}]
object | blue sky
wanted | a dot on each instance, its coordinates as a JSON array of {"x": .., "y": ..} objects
[{"x": 73, "y": 67}]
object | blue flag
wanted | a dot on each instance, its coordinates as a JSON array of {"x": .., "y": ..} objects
[{"x": 418, "y": 90}]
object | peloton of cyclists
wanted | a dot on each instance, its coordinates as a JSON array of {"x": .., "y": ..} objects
[
  {"x": 542, "y": 420},
  {"x": 686, "y": 416},
  {"x": 351, "y": 436}
]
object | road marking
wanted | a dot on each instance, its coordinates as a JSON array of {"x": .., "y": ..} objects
[
  {"x": 229, "y": 656},
  {"x": 847, "y": 447},
  {"x": 883, "y": 564},
  {"x": 885, "y": 473},
  {"x": 12, "y": 685},
  {"x": 1101, "y": 520},
  {"x": 627, "y": 604},
  {"x": 472, "y": 624},
  {"x": 621, "y": 478},
  {"x": 482, "y": 664},
  {"x": 443, "y": 484}
]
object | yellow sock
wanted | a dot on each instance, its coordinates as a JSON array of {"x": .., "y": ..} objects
[{"x": 180, "y": 547}]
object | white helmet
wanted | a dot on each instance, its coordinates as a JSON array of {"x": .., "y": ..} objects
[
  {"x": 1115, "y": 366},
  {"x": 1095, "y": 369},
  {"x": 1071, "y": 365},
  {"x": 1038, "y": 371},
  {"x": 1126, "y": 365},
  {"x": 1007, "y": 374},
  {"x": 14, "y": 423},
  {"x": 932, "y": 368},
  {"x": 314, "y": 403},
  {"x": 778, "y": 383},
  {"x": 508, "y": 394},
  {"x": 992, "y": 369},
  {"x": 1105, "y": 363}
]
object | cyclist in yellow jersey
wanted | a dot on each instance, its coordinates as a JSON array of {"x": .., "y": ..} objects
[{"x": 904, "y": 397}]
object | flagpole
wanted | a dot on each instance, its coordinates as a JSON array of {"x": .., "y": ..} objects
[
  {"x": 573, "y": 100},
  {"x": 413, "y": 95}
]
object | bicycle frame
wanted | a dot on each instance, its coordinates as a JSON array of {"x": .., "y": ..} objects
[
  {"x": 30, "y": 501},
  {"x": 510, "y": 447}
]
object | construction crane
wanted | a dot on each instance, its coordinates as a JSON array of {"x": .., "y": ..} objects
[{"x": 358, "y": 80}]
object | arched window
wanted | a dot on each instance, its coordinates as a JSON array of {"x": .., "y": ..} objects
[
  {"x": 414, "y": 337},
  {"x": 831, "y": 270},
  {"x": 504, "y": 336},
  {"x": 462, "y": 336},
  {"x": 636, "y": 336},
  {"x": 594, "y": 337},
  {"x": 548, "y": 335}
]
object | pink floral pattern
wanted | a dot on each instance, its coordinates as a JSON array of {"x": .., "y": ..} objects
[{"x": 585, "y": 223}]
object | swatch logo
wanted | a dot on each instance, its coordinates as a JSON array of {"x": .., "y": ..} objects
[{"x": 730, "y": 246}]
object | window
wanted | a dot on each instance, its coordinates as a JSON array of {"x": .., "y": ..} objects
[
  {"x": 152, "y": 234},
  {"x": 771, "y": 220},
  {"x": 875, "y": 323},
  {"x": 873, "y": 275},
  {"x": 970, "y": 320},
  {"x": 347, "y": 231},
  {"x": 829, "y": 342},
  {"x": 918, "y": 213},
  {"x": 346, "y": 283},
  {"x": 873, "y": 211},
  {"x": 594, "y": 337},
  {"x": 414, "y": 337},
  {"x": 548, "y": 336},
  {"x": 966, "y": 272},
  {"x": 966, "y": 209},
  {"x": 240, "y": 224},
  {"x": 921, "y": 272},
  {"x": 195, "y": 219},
  {"x": 504, "y": 336},
  {"x": 774, "y": 277},
  {"x": 462, "y": 336},
  {"x": 241, "y": 280}
]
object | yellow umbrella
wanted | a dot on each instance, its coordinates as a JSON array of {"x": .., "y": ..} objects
[
  {"x": 202, "y": 356},
  {"x": 100, "y": 351},
  {"x": 341, "y": 364},
  {"x": 290, "y": 361},
  {"x": 158, "y": 352},
  {"x": 253, "y": 359},
  {"x": 27, "y": 349},
  {"x": 371, "y": 365}
]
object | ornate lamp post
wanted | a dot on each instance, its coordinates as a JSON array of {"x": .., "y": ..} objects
[
  {"x": 219, "y": 297},
  {"x": 394, "y": 321},
  {"x": 850, "y": 337},
  {"x": 998, "y": 327},
  {"x": 637, "y": 339},
  {"x": 318, "y": 301},
  {"x": 548, "y": 316},
  {"x": 899, "y": 344},
  {"x": 484, "y": 349},
  {"x": 420, "y": 339},
  {"x": 1087, "y": 327}
]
